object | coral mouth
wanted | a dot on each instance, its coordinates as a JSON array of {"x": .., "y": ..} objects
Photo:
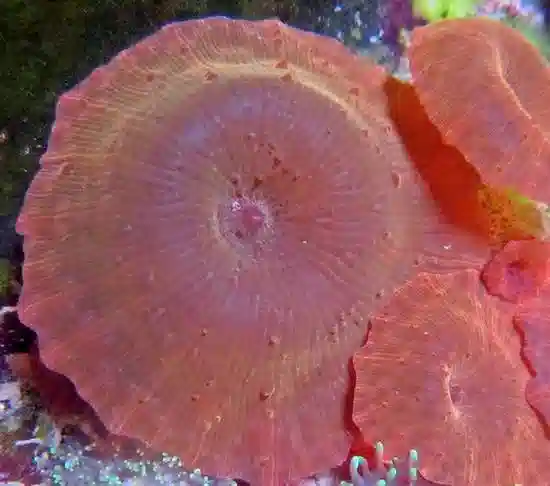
[{"x": 244, "y": 220}]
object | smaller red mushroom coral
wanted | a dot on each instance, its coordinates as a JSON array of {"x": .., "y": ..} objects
[
  {"x": 486, "y": 88},
  {"x": 442, "y": 371},
  {"x": 518, "y": 272}
]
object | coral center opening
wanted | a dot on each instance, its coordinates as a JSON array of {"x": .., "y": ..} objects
[
  {"x": 456, "y": 394},
  {"x": 244, "y": 219}
]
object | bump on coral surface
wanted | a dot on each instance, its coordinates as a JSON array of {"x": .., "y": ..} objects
[
  {"x": 518, "y": 272},
  {"x": 442, "y": 370},
  {"x": 213, "y": 205},
  {"x": 496, "y": 117}
]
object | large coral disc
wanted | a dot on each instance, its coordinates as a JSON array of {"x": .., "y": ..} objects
[
  {"x": 442, "y": 370},
  {"x": 485, "y": 86},
  {"x": 210, "y": 203}
]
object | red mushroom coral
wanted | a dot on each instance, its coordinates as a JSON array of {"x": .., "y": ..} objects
[
  {"x": 210, "y": 202},
  {"x": 442, "y": 370},
  {"x": 486, "y": 88},
  {"x": 520, "y": 271}
]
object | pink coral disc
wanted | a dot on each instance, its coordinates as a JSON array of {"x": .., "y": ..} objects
[
  {"x": 213, "y": 204},
  {"x": 442, "y": 372},
  {"x": 518, "y": 272}
]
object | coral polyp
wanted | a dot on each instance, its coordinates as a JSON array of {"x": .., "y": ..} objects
[{"x": 383, "y": 473}]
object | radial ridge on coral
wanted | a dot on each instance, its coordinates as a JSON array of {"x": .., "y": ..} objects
[{"x": 442, "y": 370}]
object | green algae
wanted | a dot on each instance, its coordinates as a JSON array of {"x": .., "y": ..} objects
[
  {"x": 5, "y": 276},
  {"x": 434, "y": 10},
  {"x": 536, "y": 225}
]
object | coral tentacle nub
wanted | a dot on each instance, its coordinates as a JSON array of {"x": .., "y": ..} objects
[
  {"x": 497, "y": 117},
  {"x": 212, "y": 204}
]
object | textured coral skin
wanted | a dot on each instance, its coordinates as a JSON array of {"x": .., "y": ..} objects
[
  {"x": 497, "y": 118},
  {"x": 218, "y": 209}
]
